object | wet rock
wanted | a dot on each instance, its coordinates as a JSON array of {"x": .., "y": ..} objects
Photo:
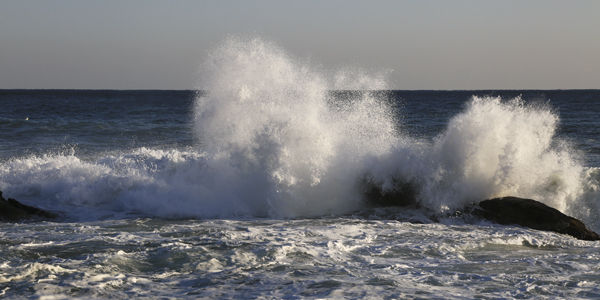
[
  {"x": 400, "y": 194},
  {"x": 532, "y": 214},
  {"x": 12, "y": 210}
]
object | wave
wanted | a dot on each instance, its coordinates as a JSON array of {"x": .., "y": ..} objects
[{"x": 272, "y": 141}]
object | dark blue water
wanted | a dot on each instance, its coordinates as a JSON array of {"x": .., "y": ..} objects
[{"x": 92, "y": 121}]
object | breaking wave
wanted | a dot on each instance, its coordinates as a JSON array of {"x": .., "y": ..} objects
[{"x": 272, "y": 140}]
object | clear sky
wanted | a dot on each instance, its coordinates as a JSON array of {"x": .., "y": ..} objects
[{"x": 144, "y": 44}]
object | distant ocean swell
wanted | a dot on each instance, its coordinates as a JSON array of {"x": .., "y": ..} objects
[{"x": 272, "y": 142}]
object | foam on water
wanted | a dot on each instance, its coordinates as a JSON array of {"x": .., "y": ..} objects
[
  {"x": 273, "y": 141},
  {"x": 321, "y": 257}
]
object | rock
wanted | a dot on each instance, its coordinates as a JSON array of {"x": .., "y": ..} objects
[
  {"x": 401, "y": 193},
  {"x": 12, "y": 210},
  {"x": 532, "y": 214}
]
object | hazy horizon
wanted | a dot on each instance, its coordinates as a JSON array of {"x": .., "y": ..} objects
[
  {"x": 425, "y": 45},
  {"x": 205, "y": 90}
]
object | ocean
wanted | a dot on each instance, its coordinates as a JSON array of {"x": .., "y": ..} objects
[
  {"x": 146, "y": 211},
  {"x": 254, "y": 188}
]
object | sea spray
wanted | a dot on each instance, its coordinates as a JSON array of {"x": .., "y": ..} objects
[
  {"x": 274, "y": 139},
  {"x": 498, "y": 148},
  {"x": 268, "y": 123}
]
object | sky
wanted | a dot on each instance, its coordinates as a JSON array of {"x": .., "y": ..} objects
[{"x": 146, "y": 44}]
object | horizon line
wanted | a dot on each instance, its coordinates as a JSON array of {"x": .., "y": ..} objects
[{"x": 372, "y": 90}]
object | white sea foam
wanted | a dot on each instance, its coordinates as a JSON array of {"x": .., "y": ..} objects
[
  {"x": 273, "y": 142},
  {"x": 345, "y": 256}
]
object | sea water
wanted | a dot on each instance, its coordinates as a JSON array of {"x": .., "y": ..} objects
[{"x": 253, "y": 186}]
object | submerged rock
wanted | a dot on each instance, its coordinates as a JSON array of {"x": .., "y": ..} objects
[
  {"x": 12, "y": 210},
  {"x": 532, "y": 214}
]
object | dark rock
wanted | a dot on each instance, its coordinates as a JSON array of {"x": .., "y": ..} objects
[
  {"x": 401, "y": 194},
  {"x": 532, "y": 214},
  {"x": 12, "y": 210}
]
